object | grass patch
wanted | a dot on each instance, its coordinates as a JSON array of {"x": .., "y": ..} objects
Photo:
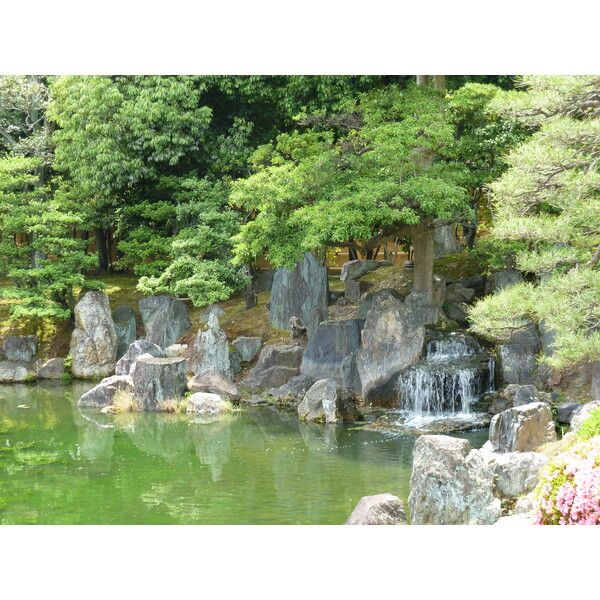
[{"x": 124, "y": 402}]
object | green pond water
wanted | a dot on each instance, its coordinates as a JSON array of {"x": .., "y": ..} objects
[{"x": 63, "y": 465}]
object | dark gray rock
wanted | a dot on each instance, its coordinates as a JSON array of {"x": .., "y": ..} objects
[
  {"x": 329, "y": 345},
  {"x": 316, "y": 317},
  {"x": 522, "y": 428},
  {"x": 547, "y": 338},
  {"x": 104, "y": 393},
  {"x": 94, "y": 340},
  {"x": 211, "y": 350},
  {"x": 350, "y": 375},
  {"x": 355, "y": 289},
  {"x": 125, "y": 325},
  {"x": 271, "y": 377},
  {"x": 500, "y": 279},
  {"x": 235, "y": 362},
  {"x": 439, "y": 290},
  {"x": 445, "y": 241},
  {"x": 15, "y": 371},
  {"x": 474, "y": 282},
  {"x": 294, "y": 390},
  {"x": 281, "y": 356},
  {"x": 213, "y": 309},
  {"x": 455, "y": 292},
  {"x": 52, "y": 369},
  {"x": 328, "y": 401},
  {"x": 451, "y": 484},
  {"x": 248, "y": 347},
  {"x": 296, "y": 293},
  {"x": 276, "y": 365},
  {"x": 165, "y": 319},
  {"x": 139, "y": 347},
  {"x": 355, "y": 269},
  {"x": 158, "y": 380},
  {"x": 423, "y": 312},
  {"x": 381, "y": 509},
  {"x": 392, "y": 339},
  {"x": 20, "y": 348},
  {"x": 213, "y": 382},
  {"x": 565, "y": 410},
  {"x": 457, "y": 312},
  {"x": 387, "y": 294},
  {"x": 335, "y": 295},
  {"x": 517, "y": 363},
  {"x": 263, "y": 280}
]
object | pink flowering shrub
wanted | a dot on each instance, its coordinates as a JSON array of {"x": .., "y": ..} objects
[{"x": 569, "y": 489}]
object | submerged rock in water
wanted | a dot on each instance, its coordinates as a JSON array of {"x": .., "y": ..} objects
[
  {"x": 94, "y": 340},
  {"x": 451, "y": 484},
  {"x": 381, "y": 509},
  {"x": 392, "y": 423}
]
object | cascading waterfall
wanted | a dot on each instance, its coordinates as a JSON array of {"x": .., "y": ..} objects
[{"x": 455, "y": 372}]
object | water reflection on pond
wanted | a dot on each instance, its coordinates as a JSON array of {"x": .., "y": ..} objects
[{"x": 61, "y": 464}]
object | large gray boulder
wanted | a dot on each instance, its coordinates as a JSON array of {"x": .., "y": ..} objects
[
  {"x": 385, "y": 294},
  {"x": 294, "y": 390},
  {"x": 355, "y": 269},
  {"x": 248, "y": 347},
  {"x": 20, "y": 348},
  {"x": 392, "y": 339},
  {"x": 51, "y": 369},
  {"x": 455, "y": 292},
  {"x": 516, "y": 473},
  {"x": 498, "y": 280},
  {"x": 125, "y": 325},
  {"x": 214, "y": 382},
  {"x": 103, "y": 394},
  {"x": 451, "y": 484},
  {"x": 211, "y": 350},
  {"x": 296, "y": 293},
  {"x": 165, "y": 319},
  {"x": 94, "y": 340},
  {"x": 139, "y": 347},
  {"x": 522, "y": 428},
  {"x": 328, "y": 347},
  {"x": 276, "y": 365},
  {"x": 445, "y": 241},
  {"x": 15, "y": 372},
  {"x": 158, "y": 380},
  {"x": 381, "y": 509},
  {"x": 328, "y": 401}
]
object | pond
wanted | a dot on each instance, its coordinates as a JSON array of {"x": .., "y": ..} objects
[{"x": 63, "y": 465}]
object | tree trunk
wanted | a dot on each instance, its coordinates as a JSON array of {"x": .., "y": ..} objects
[
  {"x": 422, "y": 241},
  {"x": 102, "y": 250}
]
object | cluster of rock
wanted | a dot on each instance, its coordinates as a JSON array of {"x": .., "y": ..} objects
[{"x": 18, "y": 364}]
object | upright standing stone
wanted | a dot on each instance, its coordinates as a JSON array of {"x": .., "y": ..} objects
[
  {"x": 296, "y": 293},
  {"x": 158, "y": 380},
  {"x": 124, "y": 320},
  {"x": 139, "y": 347},
  {"x": 94, "y": 340},
  {"x": 445, "y": 241},
  {"x": 211, "y": 350},
  {"x": 165, "y": 319}
]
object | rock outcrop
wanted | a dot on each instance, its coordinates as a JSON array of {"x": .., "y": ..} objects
[
  {"x": 451, "y": 484},
  {"x": 94, "y": 340},
  {"x": 381, "y": 509},
  {"x": 51, "y": 369},
  {"x": 328, "y": 401},
  {"x": 165, "y": 319},
  {"x": 297, "y": 292}
]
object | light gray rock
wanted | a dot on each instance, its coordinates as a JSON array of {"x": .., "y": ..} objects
[
  {"x": 328, "y": 347},
  {"x": 516, "y": 473},
  {"x": 276, "y": 365},
  {"x": 451, "y": 484},
  {"x": 355, "y": 269},
  {"x": 211, "y": 350},
  {"x": 387, "y": 294},
  {"x": 165, "y": 319},
  {"x": 457, "y": 312},
  {"x": 296, "y": 293},
  {"x": 271, "y": 377},
  {"x": 392, "y": 339},
  {"x": 126, "y": 362},
  {"x": 14, "y": 372},
  {"x": 213, "y": 309},
  {"x": 52, "y": 369},
  {"x": 103, "y": 394},
  {"x": 248, "y": 347},
  {"x": 445, "y": 241},
  {"x": 354, "y": 290},
  {"x": 522, "y": 428},
  {"x": 20, "y": 348},
  {"x": 499, "y": 280},
  {"x": 214, "y": 382},
  {"x": 175, "y": 350},
  {"x": 202, "y": 403},
  {"x": 94, "y": 340},
  {"x": 455, "y": 292},
  {"x": 328, "y": 401},
  {"x": 381, "y": 509},
  {"x": 583, "y": 413},
  {"x": 595, "y": 387},
  {"x": 158, "y": 380},
  {"x": 125, "y": 325}
]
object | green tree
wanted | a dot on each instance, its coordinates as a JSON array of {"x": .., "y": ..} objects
[
  {"x": 549, "y": 199},
  {"x": 356, "y": 179}
]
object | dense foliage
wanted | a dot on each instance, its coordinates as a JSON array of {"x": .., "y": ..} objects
[{"x": 549, "y": 202}]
